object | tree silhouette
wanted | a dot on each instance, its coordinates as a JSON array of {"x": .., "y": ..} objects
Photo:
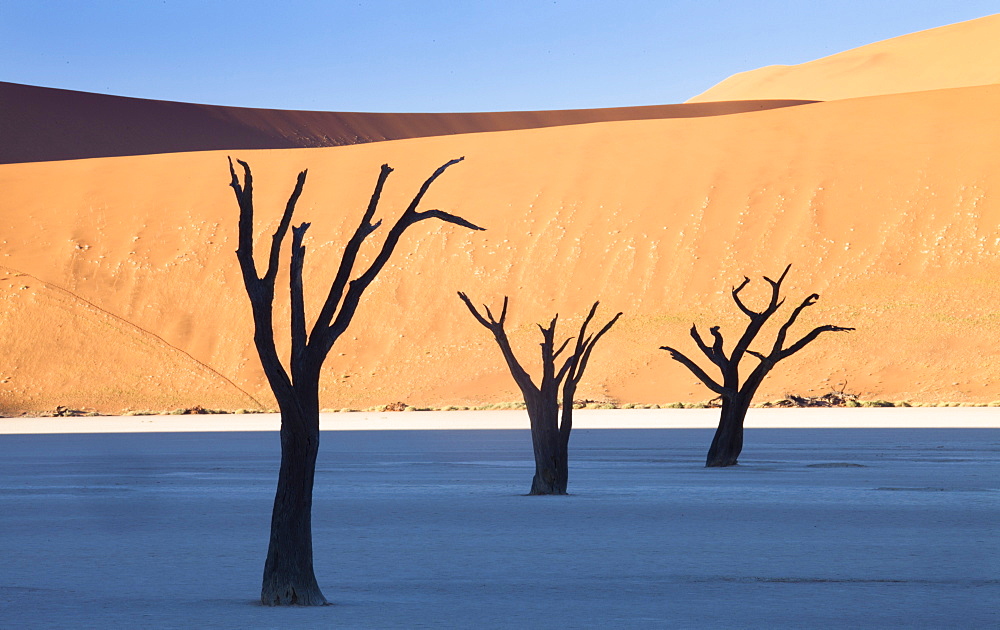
[
  {"x": 549, "y": 436},
  {"x": 736, "y": 397},
  {"x": 288, "y": 569}
]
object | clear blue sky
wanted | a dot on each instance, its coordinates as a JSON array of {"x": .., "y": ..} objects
[{"x": 433, "y": 55}]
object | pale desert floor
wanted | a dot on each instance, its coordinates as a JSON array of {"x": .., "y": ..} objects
[
  {"x": 816, "y": 418},
  {"x": 818, "y": 527}
]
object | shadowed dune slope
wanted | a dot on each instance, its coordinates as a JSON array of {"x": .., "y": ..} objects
[
  {"x": 887, "y": 206},
  {"x": 45, "y": 124},
  {"x": 958, "y": 55}
]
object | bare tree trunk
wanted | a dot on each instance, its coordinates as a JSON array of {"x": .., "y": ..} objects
[
  {"x": 551, "y": 454},
  {"x": 288, "y": 568},
  {"x": 728, "y": 441},
  {"x": 736, "y": 398},
  {"x": 549, "y": 438}
]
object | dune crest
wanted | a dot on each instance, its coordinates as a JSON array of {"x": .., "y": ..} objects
[
  {"x": 958, "y": 55},
  {"x": 46, "y": 124}
]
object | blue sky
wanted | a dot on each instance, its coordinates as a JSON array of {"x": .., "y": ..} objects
[{"x": 432, "y": 55}]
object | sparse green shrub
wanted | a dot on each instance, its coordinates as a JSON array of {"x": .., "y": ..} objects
[{"x": 877, "y": 403}]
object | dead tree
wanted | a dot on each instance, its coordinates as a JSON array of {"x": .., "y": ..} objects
[
  {"x": 736, "y": 397},
  {"x": 288, "y": 570},
  {"x": 549, "y": 436}
]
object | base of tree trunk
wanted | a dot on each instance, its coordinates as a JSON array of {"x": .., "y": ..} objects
[
  {"x": 547, "y": 493},
  {"x": 721, "y": 463},
  {"x": 724, "y": 453},
  {"x": 550, "y": 483},
  {"x": 290, "y": 595}
]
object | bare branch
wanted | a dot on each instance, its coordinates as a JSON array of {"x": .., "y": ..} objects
[
  {"x": 259, "y": 290},
  {"x": 472, "y": 309},
  {"x": 555, "y": 355},
  {"x": 776, "y": 284},
  {"x": 757, "y": 320},
  {"x": 445, "y": 216},
  {"x": 699, "y": 373},
  {"x": 551, "y": 330},
  {"x": 411, "y": 209},
  {"x": 779, "y": 340},
  {"x": 244, "y": 197},
  {"x": 364, "y": 229},
  {"x": 588, "y": 346},
  {"x": 802, "y": 343},
  {"x": 760, "y": 356},
  {"x": 775, "y": 304},
  {"x": 736, "y": 298},
  {"x": 717, "y": 346},
  {"x": 784, "y": 273},
  {"x": 586, "y": 321},
  {"x": 548, "y": 355},
  {"x": 298, "y": 317},
  {"x": 521, "y": 377},
  {"x": 575, "y": 366},
  {"x": 567, "y": 367},
  {"x": 503, "y": 312},
  {"x": 279, "y": 233},
  {"x": 705, "y": 348},
  {"x": 357, "y": 287}
]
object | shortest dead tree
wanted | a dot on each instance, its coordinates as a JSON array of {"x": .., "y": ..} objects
[
  {"x": 736, "y": 397},
  {"x": 549, "y": 436}
]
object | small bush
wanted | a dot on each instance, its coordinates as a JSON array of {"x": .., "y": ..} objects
[{"x": 877, "y": 403}]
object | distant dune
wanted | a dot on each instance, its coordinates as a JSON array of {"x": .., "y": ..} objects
[
  {"x": 119, "y": 288},
  {"x": 887, "y": 206},
  {"x": 959, "y": 55},
  {"x": 45, "y": 124}
]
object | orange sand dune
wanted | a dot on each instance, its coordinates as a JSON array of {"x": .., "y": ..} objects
[
  {"x": 887, "y": 206},
  {"x": 44, "y": 124},
  {"x": 958, "y": 55}
]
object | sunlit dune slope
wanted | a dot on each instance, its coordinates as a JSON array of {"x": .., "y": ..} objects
[
  {"x": 121, "y": 362},
  {"x": 45, "y": 124},
  {"x": 957, "y": 55},
  {"x": 886, "y": 206}
]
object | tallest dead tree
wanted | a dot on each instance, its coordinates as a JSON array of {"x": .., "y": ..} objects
[{"x": 288, "y": 570}]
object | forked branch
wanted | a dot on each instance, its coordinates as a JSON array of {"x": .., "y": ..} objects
[
  {"x": 729, "y": 365},
  {"x": 344, "y": 295},
  {"x": 327, "y": 334},
  {"x": 572, "y": 368},
  {"x": 585, "y": 345},
  {"x": 244, "y": 196},
  {"x": 495, "y": 326}
]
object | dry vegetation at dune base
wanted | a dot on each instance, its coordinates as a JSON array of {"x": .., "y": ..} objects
[{"x": 792, "y": 401}]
